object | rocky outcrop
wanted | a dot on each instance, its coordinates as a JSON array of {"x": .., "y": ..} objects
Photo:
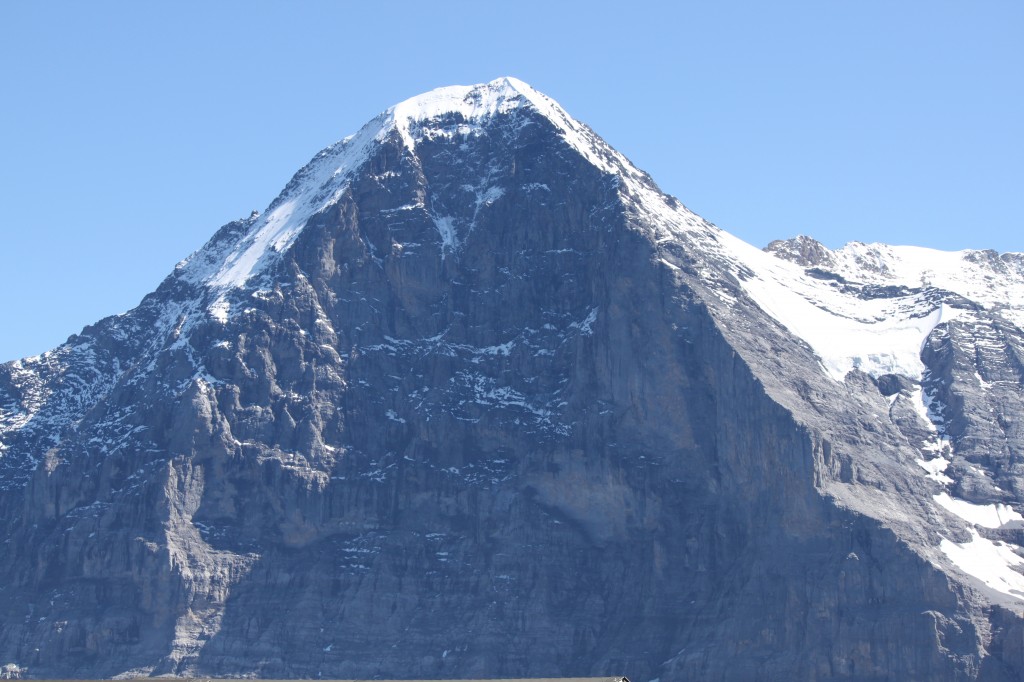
[{"x": 497, "y": 407}]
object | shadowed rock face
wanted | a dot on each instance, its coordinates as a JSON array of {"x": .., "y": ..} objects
[{"x": 481, "y": 418}]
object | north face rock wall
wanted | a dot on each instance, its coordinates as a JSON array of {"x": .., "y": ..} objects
[{"x": 474, "y": 420}]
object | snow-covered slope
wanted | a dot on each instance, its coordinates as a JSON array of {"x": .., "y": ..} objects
[
  {"x": 994, "y": 282},
  {"x": 992, "y": 279},
  {"x": 868, "y": 307},
  {"x": 853, "y": 318}
]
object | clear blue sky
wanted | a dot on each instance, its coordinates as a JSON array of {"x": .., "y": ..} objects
[{"x": 130, "y": 131}]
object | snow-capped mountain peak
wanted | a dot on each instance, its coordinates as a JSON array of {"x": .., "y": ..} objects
[
  {"x": 473, "y": 104},
  {"x": 471, "y": 363},
  {"x": 231, "y": 260},
  {"x": 476, "y": 103},
  {"x": 229, "y": 263}
]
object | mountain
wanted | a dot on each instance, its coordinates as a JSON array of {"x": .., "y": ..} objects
[{"x": 474, "y": 398}]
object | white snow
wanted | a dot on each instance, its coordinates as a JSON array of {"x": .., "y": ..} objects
[
  {"x": 978, "y": 275},
  {"x": 586, "y": 326},
  {"x": 988, "y": 515},
  {"x": 276, "y": 233},
  {"x": 936, "y": 469},
  {"x": 219, "y": 310},
  {"x": 882, "y": 335},
  {"x": 449, "y": 238},
  {"x": 990, "y": 562},
  {"x": 501, "y": 349},
  {"x": 921, "y": 402},
  {"x": 878, "y": 336},
  {"x": 673, "y": 266},
  {"x": 473, "y": 102},
  {"x": 222, "y": 267},
  {"x": 476, "y": 103},
  {"x": 489, "y": 196}
]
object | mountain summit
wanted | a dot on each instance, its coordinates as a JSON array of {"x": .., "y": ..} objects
[
  {"x": 474, "y": 398},
  {"x": 446, "y": 113}
]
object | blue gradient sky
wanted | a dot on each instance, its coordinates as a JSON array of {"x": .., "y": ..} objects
[{"x": 130, "y": 131}]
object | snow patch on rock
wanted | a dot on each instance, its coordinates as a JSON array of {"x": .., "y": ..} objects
[
  {"x": 987, "y": 515},
  {"x": 993, "y": 563}
]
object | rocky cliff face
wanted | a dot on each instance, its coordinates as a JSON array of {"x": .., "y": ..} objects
[{"x": 473, "y": 398}]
